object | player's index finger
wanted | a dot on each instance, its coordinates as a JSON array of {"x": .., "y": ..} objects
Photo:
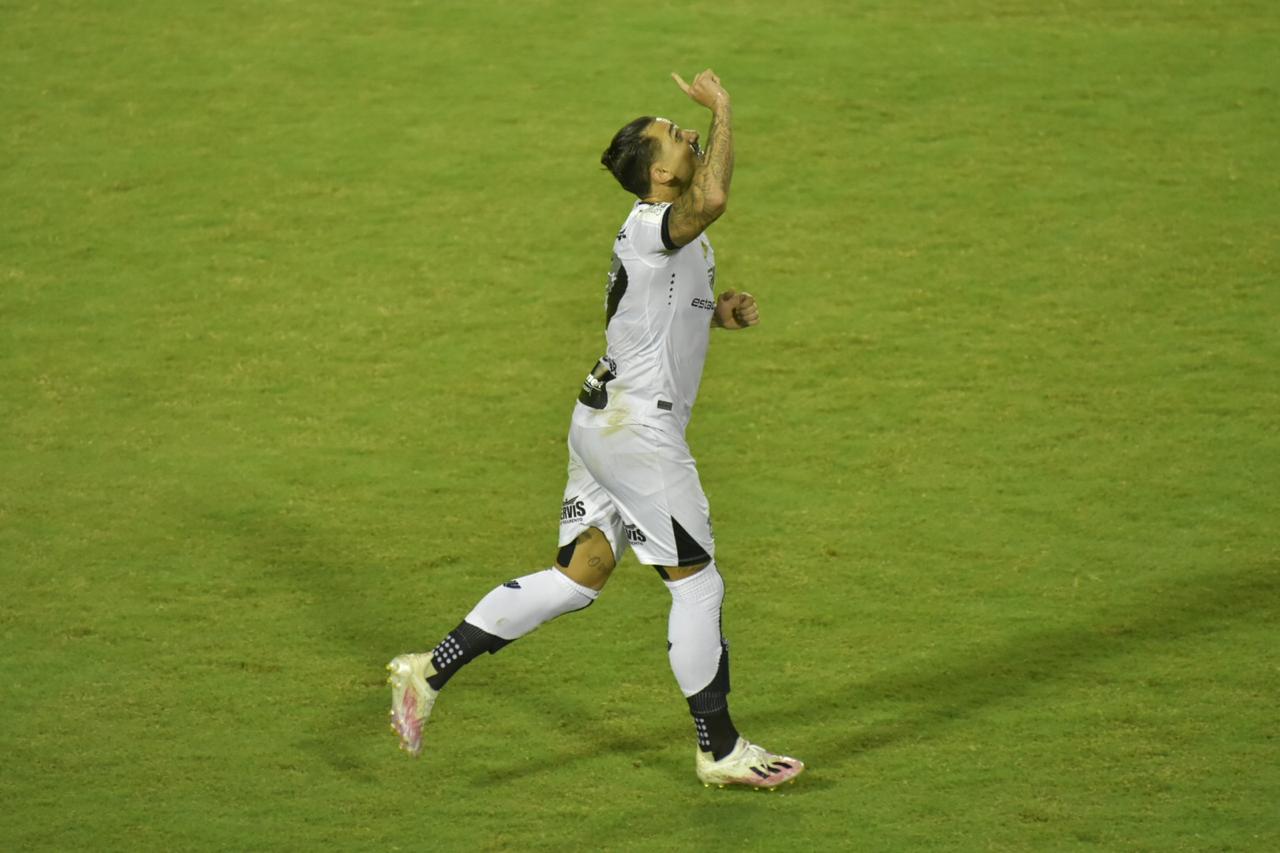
[{"x": 680, "y": 82}]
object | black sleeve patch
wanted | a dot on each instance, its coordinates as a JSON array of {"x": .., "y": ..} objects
[{"x": 666, "y": 230}]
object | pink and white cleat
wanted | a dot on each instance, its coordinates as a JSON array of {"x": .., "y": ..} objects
[
  {"x": 748, "y": 764},
  {"x": 411, "y": 698}
]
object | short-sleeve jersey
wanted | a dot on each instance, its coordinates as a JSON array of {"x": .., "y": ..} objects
[{"x": 658, "y": 305}]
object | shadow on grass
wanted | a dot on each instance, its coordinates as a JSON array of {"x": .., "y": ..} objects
[
  {"x": 952, "y": 689},
  {"x": 348, "y": 596},
  {"x": 348, "y": 599},
  {"x": 960, "y": 687}
]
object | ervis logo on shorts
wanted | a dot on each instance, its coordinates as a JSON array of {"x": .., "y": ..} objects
[
  {"x": 634, "y": 536},
  {"x": 572, "y": 509}
]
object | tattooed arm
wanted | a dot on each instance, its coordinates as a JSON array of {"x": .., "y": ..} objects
[{"x": 708, "y": 192}]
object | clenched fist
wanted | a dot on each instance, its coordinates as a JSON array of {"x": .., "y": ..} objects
[{"x": 736, "y": 310}]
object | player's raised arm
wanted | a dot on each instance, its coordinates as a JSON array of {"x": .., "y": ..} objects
[{"x": 708, "y": 192}]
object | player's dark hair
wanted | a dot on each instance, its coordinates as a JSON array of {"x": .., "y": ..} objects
[{"x": 630, "y": 154}]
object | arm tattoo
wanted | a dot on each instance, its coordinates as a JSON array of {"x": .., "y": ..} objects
[
  {"x": 720, "y": 149},
  {"x": 695, "y": 209}
]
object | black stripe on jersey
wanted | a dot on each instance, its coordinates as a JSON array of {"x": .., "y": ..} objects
[
  {"x": 666, "y": 230},
  {"x": 688, "y": 551},
  {"x": 617, "y": 288}
]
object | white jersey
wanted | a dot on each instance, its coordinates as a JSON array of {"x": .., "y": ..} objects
[{"x": 658, "y": 308}]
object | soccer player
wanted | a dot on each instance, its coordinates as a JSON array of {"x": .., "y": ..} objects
[{"x": 632, "y": 481}]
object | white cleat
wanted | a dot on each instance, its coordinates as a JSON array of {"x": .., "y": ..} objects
[
  {"x": 748, "y": 764},
  {"x": 411, "y": 698}
]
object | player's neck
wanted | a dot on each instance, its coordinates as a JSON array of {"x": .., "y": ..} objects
[{"x": 663, "y": 193}]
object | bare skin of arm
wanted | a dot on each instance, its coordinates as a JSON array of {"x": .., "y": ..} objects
[{"x": 708, "y": 193}]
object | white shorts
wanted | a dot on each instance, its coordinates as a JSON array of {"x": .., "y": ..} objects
[{"x": 639, "y": 486}]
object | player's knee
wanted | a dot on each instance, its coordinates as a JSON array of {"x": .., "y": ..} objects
[{"x": 679, "y": 573}]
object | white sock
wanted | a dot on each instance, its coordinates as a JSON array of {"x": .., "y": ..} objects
[
  {"x": 517, "y": 607},
  {"x": 693, "y": 629}
]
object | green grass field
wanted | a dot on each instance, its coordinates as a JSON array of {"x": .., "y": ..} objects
[{"x": 296, "y": 300}]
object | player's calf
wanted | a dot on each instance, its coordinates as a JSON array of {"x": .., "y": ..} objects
[{"x": 507, "y": 613}]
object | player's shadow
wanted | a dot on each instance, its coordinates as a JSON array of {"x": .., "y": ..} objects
[
  {"x": 954, "y": 688},
  {"x": 339, "y": 586},
  {"x": 948, "y": 690},
  {"x": 342, "y": 590},
  {"x": 334, "y": 581}
]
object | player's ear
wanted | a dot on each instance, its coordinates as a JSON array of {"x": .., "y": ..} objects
[{"x": 660, "y": 174}]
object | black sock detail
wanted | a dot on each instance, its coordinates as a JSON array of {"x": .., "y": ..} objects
[
  {"x": 716, "y": 733},
  {"x": 710, "y": 710},
  {"x": 715, "y": 695},
  {"x": 479, "y": 639},
  {"x": 459, "y": 647}
]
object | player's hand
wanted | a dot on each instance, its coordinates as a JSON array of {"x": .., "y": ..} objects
[
  {"x": 736, "y": 310},
  {"x": 705, "y": 89}
]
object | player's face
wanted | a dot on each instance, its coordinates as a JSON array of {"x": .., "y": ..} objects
[{"x": 679, "y": 151}]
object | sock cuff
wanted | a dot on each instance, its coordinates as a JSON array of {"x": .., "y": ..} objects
[
  {"x": 704, "y": 703},
  {"x": 572, "y": 584},
  {"x": 703, "y": 584},
  {"x": 476, "y": 639}
]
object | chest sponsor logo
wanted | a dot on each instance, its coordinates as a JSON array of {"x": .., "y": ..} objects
[
  {"x": 634, "y": 535},
  {"x": 699, "y": 302}
]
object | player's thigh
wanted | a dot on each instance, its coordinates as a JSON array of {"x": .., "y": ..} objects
[
  {"x": 589, "y": 559},
  {"x": 592, "y": 538},
  {"x": 653, "y": 482}
]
